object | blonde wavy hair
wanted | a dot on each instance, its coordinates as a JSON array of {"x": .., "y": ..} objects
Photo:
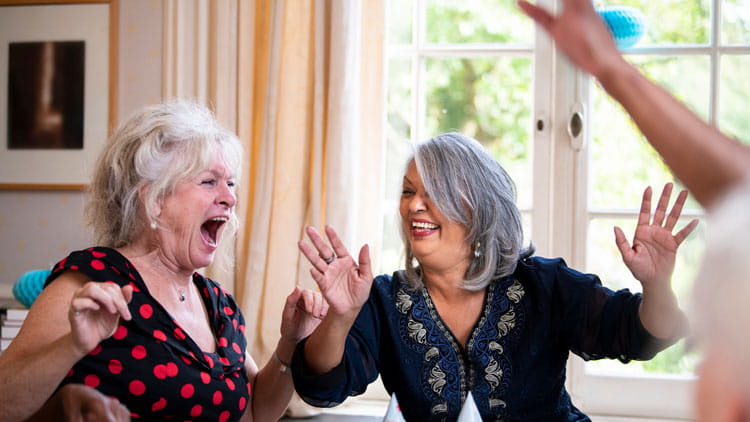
[{"x": 156, "y": 148}]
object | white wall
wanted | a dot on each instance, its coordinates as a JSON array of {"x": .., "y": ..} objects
[{"x": 38, "y": 228}]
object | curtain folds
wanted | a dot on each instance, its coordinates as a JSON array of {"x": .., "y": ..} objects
[{"x": 310, "y": 107}]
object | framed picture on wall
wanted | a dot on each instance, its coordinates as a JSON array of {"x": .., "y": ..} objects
[{"x": 55, "y": 91}]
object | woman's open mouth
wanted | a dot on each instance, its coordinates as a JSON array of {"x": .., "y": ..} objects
[{"x": 210, "y": 229}]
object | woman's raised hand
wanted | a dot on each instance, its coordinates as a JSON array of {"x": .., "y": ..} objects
[
  {"x": 344, "y": 282},
  {"x": 303, "y": 311},
  {"x": 95, "y": 312},
  {"x": 580, "y": 33},
  {"x": 651, "y": 259}
]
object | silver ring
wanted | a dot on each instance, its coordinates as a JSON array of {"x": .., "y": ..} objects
[{"x": 329, "y": 259}]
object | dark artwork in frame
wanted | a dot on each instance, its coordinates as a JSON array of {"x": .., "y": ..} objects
[{"x": 46, "y": 95}]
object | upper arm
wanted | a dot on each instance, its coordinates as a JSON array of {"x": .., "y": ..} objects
[{"x": 48, "y": 317}]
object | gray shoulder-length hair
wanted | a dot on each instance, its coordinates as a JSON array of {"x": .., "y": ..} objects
[
  {"x": 469, "y": 187},
  {"x": 156, "y": 148}
]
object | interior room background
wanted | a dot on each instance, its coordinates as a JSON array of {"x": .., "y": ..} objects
[{"x": 328, "y": 93}]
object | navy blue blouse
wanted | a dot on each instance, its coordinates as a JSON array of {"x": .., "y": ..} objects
[{"x": 515, "y": 357}]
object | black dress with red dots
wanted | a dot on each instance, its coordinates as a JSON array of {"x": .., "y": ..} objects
[{"x": 150, "y": 364}]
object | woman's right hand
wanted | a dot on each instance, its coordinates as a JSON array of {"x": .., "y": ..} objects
[
  {"x": 344, "y": 283},
  {"x": 95, "y": 312},
  {"x": 580, "y": 33}
]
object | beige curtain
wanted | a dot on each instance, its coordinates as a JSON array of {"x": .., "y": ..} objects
[{"x": 310, "y": 107}]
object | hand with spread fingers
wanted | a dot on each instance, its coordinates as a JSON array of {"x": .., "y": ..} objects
[
  {"x": 651, "y": 258},
  {"x": 705, "y": 160},
  {"x": 344, "y": 283},
  {"x": 161, "y": 198},
  {"x": 580, "y": 33},
  {"x": 469, "y": 290}
]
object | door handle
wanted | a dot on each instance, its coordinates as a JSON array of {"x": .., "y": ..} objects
[{"x": 576, "y": 127}]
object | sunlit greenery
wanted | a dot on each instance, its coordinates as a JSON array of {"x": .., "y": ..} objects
[
  {"x": 672, "y": 21},
  {"x": 604, "y": 259},
  {"x": 735, "y": 22},
  {"x": 490, "y": 97},
  {"x": 735, "y": 96},
  {"x": 493, "y": 105},
  {"x": 477, "y": 21},
  {"x": 616, "y": 139}
]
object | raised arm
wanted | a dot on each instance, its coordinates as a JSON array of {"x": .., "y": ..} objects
[
  {"x": 705, "y": 160},
  {"x": 345, "y": 284},
  {"x": 68, "y": 319},
  {"x": 272, "y": 386},
  {"x": 651, "y": 260}
]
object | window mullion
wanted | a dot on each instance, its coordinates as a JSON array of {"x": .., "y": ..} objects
[
  {"x": 713, "y": 103},
  {"x": 419, "y": 71}
]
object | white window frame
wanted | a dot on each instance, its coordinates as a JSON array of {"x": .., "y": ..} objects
[
  {"x": 560, "y": 214},
  {"x": 667, "y": 397}
]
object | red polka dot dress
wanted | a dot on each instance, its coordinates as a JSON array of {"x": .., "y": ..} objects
[{"x": 150, "y": 364}]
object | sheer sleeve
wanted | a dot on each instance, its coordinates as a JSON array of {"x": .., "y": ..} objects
[{"x": 358, "y": 368}]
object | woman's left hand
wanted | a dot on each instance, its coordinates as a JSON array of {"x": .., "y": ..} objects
[
  {"x": 303, "y": 311},
  {"x": 651, "y": 259}
]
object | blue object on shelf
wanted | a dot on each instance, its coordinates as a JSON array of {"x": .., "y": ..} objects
[
  {"x": 627, "y": 24},
  {"x": 29, "y": 285}
]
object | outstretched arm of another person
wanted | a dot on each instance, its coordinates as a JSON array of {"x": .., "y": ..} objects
[
  {"x": 68, "y": 320},
  {"x": 81, "y": 403},
  {"x": 272, "y": 386},
  {"x": 705, "y": 160},
  {"x": 651, "y": 260},
  {"x": 345, "y": 284}
]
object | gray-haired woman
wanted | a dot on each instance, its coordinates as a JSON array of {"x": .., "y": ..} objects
[
  {"x": 132, "y": 317},
  {"x": 474, "y": 310}
]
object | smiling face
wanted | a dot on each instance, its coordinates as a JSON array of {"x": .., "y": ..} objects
[
  {"x": 193, "y": 217},
  {"x": 437, "y": 242}
]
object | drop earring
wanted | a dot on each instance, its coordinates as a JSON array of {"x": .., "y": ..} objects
[
  {"x": 477, "y": 251},
  {"x": 153, "y": 225}
]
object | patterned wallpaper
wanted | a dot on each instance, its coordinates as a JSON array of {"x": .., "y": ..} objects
[{"x": 39, "y": 228}]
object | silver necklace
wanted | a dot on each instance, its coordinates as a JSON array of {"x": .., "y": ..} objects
[{"x": 180, "y": 291}]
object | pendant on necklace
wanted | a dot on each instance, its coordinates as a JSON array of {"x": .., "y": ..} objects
[{"x": 182, "y": 297}]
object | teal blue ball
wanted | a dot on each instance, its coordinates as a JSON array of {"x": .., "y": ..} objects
[
  {"x": 29, "y": 285},
  {"x": 627, "y": 24}
]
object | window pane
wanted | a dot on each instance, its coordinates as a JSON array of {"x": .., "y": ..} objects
[
  {"x": 400, "y": 22},
  {"x": 735, "y": 97},
  {"x": 622, "y": 163},
  {"x": 489, "y": 99},
  {"x": 672, "y": 21},
  {"x": 398, "y": 140},
  {"x": 399, "y": 127},
  {"x": 735, "y": 22},
  {"x": 477, "y": 21},
  {"x": 603, "y": 259},
  {"x": 400, "y": 99}
]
